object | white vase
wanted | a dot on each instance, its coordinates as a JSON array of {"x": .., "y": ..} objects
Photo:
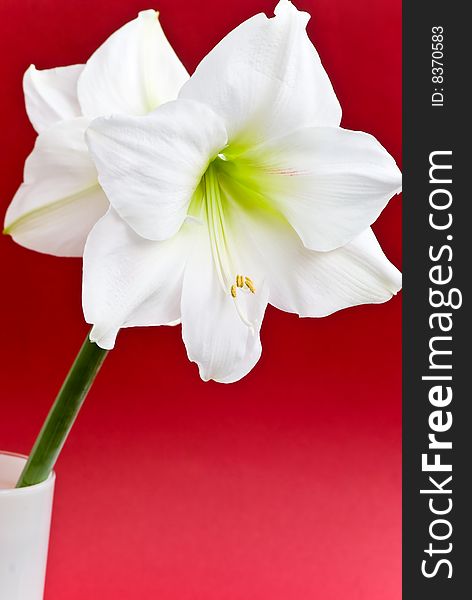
[{"x": 25, "y": 519}]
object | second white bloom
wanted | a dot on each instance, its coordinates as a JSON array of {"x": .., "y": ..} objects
[
  {"x": 244, "y": 191},
  {"x": 60, "y": 200}
]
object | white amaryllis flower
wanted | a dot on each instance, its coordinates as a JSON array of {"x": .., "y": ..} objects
[
  {"x": 244, "y": 191},
  {"x": 133, "y": 72}
]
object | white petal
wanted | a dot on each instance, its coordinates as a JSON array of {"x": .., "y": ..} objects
[
  {"x": 215, "y": 336},
  {"x": 51, "y": 95},
  {"x": 133, "y": 72},
  {"x": 329, "y": 183},
  {"x": 316, "y": 284},
  {"x": 150, "y": 166},
  {"x": 60, "y": 199},
  {"x": 266, "y": 79},
  {"x": 129, "y": 281},
  {"x": 320, "y": 283}
]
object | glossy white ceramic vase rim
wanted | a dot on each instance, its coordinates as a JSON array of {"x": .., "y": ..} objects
[{"x": 31, "y": 489}]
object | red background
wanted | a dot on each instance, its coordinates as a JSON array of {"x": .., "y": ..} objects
[{"x": 283, "y": 486}]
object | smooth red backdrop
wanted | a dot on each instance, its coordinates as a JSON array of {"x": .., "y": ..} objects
[{"x": 283, "y": 486}]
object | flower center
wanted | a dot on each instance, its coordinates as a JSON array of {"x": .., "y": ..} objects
[{"x": 227, "y": 263}]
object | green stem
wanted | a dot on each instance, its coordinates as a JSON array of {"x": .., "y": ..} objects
[{"x": 62, "y": 415}]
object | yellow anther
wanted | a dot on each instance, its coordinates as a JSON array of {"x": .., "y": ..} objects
[
  {"x": 250, "y": 285},
  {"x": 233, "y": 291},
  {"x": 239, "y": 281}
]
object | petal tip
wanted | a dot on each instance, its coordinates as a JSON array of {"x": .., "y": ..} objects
[
  {"x": 31, "y": 69},
  {"x": 149, "y": 13},
  {"x": 398, "y": 283},
  {"x": 104, "y": 340},
  {"x": 284, "y": 6},
  {"x": 287, "y": 8}
]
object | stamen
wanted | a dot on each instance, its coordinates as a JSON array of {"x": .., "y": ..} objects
[
  {"x": 224, "y": 256},
  {"x": 216, "y": 228},
  {"x": 242, "y": 281},
  {"x": 250, "y": 285}
]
